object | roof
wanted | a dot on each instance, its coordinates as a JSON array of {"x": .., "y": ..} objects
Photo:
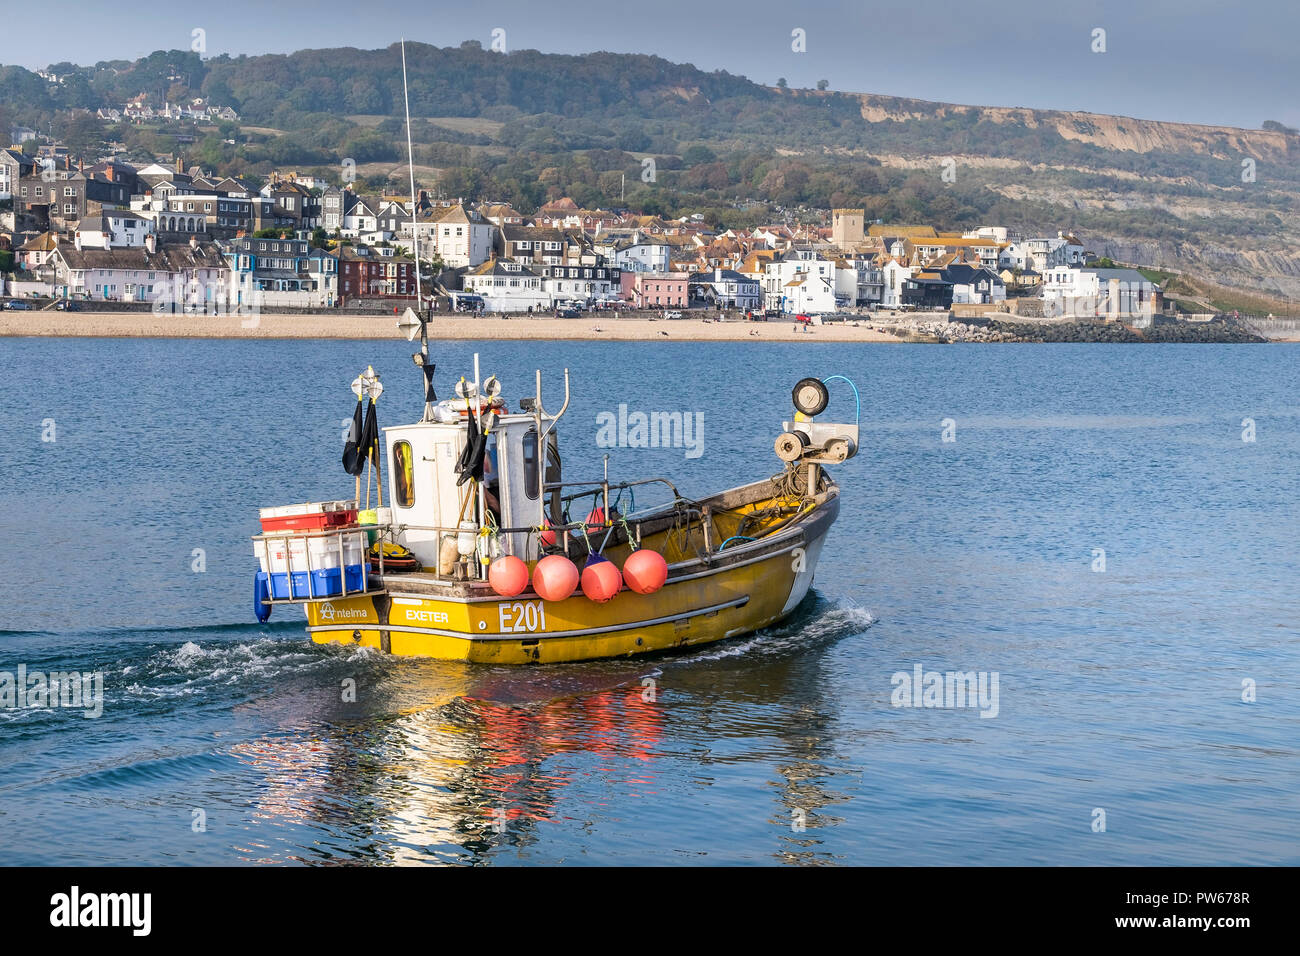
[
  {"x": 514, "y": 232},
  {"x": 963, "y": 273},
  {"x": 908, "y": 232},
  {"x": 712, "y": 275},
  {"x": 45, "y": 242},
  {"x": 367, "y": 254},
  {"x": 502, "y": 267},
  {"x": 170, "y": 258}
]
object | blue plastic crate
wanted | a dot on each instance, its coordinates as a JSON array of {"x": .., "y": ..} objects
[
  {"x": 280, "y": 585},
  {"x": 328, "y": 582},
  {"x": 324, "y": 583}
]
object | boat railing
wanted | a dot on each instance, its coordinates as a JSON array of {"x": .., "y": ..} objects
[{"x": 339, "y": 534}]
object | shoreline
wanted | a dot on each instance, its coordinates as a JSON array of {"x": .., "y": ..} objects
[{"x": 446, "y": 327}]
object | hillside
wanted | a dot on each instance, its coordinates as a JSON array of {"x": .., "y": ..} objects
[{"x": 530, "y": 126}]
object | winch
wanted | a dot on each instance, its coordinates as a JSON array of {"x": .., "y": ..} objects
[{"x": 822, "y": 443}]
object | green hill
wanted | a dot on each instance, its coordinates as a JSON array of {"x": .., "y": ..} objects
[{"x": 529, "y": 126}]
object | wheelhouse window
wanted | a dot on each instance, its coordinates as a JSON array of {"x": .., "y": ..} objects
[
  {"x": 530, "y": 463},
  {"x": 403, "y": 474}
]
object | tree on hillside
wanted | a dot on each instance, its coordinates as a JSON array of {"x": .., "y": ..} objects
[
  {"x": 822, "y": 84},
  {"x": 782, "y": 83},
  {"x": 83, "y": 134}
]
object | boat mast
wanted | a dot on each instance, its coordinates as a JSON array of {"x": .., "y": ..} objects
[
  {"x": 410, "y": 165},
  {"x": 425, "y": 365}
]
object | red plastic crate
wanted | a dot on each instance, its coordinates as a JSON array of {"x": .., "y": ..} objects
[{"x": 315, "y": 520}]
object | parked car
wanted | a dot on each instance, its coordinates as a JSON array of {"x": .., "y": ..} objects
[
  {"x": 566, "y": 313},
  {"x": 67, "y": 305},
  {"x": 17, "y": 305},
  {"x": 672, "y": 315}
]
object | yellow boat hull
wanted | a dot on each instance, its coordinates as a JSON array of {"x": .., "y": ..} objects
[{"x": 737, "y": 592}]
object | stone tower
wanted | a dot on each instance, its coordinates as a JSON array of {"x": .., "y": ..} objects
[{"x": 846, "y": 227}]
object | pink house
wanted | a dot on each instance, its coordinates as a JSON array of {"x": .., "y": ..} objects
[{"x": 657, "y": 290}]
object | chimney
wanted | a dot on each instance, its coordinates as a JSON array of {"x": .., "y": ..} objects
[
  {"x": 76, "y": 240},
  {"x": 150, "y": 243},
  {"x": 194, "y": 243}
]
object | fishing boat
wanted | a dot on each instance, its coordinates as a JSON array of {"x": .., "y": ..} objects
[{"x": 488, "y": 552}]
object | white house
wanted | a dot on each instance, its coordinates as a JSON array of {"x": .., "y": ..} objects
[
  {"x": 357, "y": 220},
  {"x": 726, "y": 288},
  {"x": 194, "y": 273},
  {"x": 508, "y": 286},
  {"x": 641, "y": 255},
  {"x": 799, "y": 281},
  {"x": 974, "y": 285},
  {"x": 858, "y": 282},
  {"x": 461, "y": 237},
  {"x": 114, "y": 229},
  {"x": 581, "y": 283},
  {"x": 1111, "y": 293},
  {"x": 893, "y": 275},
  {"x": 1043, "y": 253}
]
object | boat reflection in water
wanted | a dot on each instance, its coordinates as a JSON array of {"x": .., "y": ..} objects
[
  {"x": 456, "y": 763},
  {"x": 473, "y": 772}
]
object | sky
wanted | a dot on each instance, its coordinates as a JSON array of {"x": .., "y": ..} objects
[{"x": 1193, "y": 61}]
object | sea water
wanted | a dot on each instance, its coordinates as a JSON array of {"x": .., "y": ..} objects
[{"x": 1098, "y": 543}]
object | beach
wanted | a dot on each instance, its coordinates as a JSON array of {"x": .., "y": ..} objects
[{"x": 590, "y": 327}]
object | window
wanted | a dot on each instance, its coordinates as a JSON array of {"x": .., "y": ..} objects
[
  {"x": 530, "y": 463},
  {"x": 69, "y": 191}
]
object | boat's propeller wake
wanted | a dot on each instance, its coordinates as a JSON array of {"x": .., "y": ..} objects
[{"x": 818, "y": 621}]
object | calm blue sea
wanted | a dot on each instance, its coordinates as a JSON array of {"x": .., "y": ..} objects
[{"x": 1120, "y": 691}]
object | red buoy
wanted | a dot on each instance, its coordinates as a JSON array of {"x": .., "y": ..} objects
[
  {"x": 555, "y": 577},
  {"x": 508, "y": 576},
  {"x": 547, "y": 537},
  {"x": 601, "y": 579},
  {"x": 645, "y": 571},
  {"x": 595, "y": 519}
]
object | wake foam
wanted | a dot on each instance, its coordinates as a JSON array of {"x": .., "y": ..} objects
[{"x": 823, "y": 622}]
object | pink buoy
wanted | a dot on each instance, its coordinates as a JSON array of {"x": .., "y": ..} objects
[
  {"x": 508, "y": 576},
  {"x": 547, "y": 536},
  {"x": 555, "y": 577},
  {"x": 645, "y": 571},
  {"x": 601, "y": 579},
  {"x": 595, "y": 519}
]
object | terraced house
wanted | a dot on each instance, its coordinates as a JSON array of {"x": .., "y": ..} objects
[
  {"x": 367, "y": 272},
  {"x": 57, "y": 198},
  {"x": 284, "y": 272},
  {"x": 193, "y": 272}
]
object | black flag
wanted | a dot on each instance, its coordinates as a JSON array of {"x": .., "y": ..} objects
[
  {"x": 354, "y": 462},
  {"x": 362, "y": 440},
  {"x": 470, "y": 464}
]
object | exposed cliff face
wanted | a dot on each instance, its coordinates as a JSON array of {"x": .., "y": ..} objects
[
  {"x": 1106, "y": 132},
  {"x": 1237, "y": 227}
]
